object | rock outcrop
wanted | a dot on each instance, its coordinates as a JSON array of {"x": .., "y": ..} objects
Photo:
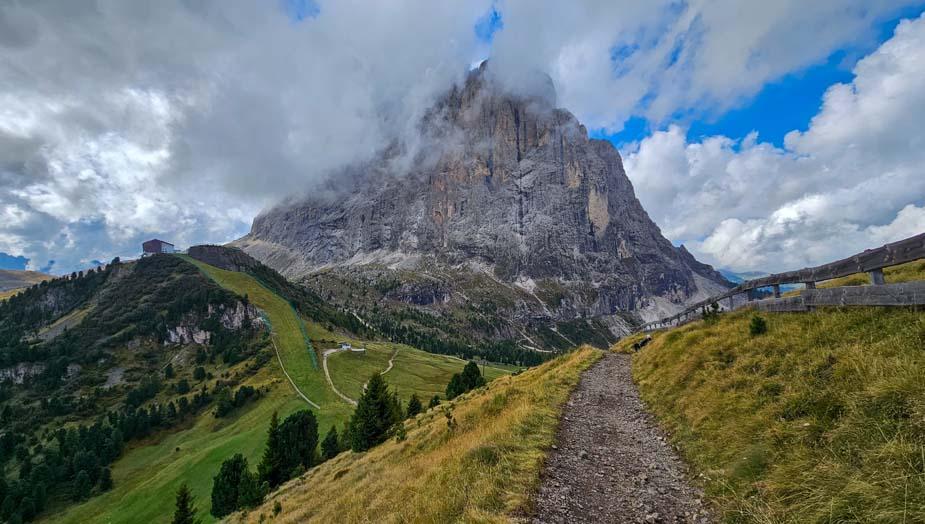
[{"x": 508, "y": 185}]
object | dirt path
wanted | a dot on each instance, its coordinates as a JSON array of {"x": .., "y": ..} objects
[
  {"x": 296, "y": 388},
  {"x": 611, "y": 462},
  {"x": 391, "y": 363},
  {"x": 327, "y": 375}
]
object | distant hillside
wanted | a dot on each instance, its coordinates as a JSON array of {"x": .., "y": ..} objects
[
  {"x": 739, "y": 277},
  {"x": 285, "y": 368},
  {"x": 820, "y": 419},
  {"x": 93, "y": 363},
  {"x": 475, "y": 459},
  {"x": 12, "y": 281}
]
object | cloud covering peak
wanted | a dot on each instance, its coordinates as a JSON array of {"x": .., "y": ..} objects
[{"x": 126, "y": 119}]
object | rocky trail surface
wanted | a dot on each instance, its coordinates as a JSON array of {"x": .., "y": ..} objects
[{"x": 611, "y": 462}]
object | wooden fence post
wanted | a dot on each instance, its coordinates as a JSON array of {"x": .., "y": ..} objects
[{"x": 876, "y": 277}]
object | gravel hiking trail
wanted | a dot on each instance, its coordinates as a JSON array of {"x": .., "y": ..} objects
[{"x": 611, "y": 461}]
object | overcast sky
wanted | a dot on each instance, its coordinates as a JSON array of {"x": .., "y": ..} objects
[{"x": 121, "y": 120}]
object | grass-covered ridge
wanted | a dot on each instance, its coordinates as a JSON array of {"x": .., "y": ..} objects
[
  {"x": 821, "y": 419},
  {"x": 481, "y": 470}
]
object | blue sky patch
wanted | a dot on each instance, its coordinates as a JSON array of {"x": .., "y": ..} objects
[
  {"x": 488, "y": 25},
  {"x": 10, "y": 262},
  {"x": 299, "y": 10},
  {"x": 781, "y": 106}
]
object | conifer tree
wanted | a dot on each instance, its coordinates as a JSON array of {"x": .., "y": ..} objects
[
  {"x": 271, "y": 468},
  {"x": 82, "y": 485},
  {"x": 414, "y": 406},
  {"x": 185, "y": 513},
  {"x": 298, "y": 436},
  {"x": 105, "y": 479},
  {"x": 434, "y": 402},
  {"x": 471, "y": 376},
  {"x": 330, "y": 446},
  {"x": 376, "y": 412},
  {"x": 226, "y": 485},
  {"x": 455, "y": 388}
]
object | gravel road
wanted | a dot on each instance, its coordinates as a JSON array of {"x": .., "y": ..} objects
[{"x": 611, "y": 462}]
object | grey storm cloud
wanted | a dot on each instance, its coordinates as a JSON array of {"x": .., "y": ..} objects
[{"x": 183, "y": 119}]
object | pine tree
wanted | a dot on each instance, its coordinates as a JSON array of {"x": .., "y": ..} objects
[
  {"x": 376, "y": 412},
  {"x": 414, "y": 406},
  {"x": 272, "y": 467},
  {"x": 185, "y": 512},
  {"x": 298, "y": 442},
  {"x": 226, "y": 485},
  {"x": 168, "y": 371},
  {"x": 105, "y": 479},
  {"x": 82, "y": 485},
  {"x": 330, "y": 447},
  {"x": 471, "y": 376},
  {"x": 455, "y": 388},
  {"x": 249, "y": 492}
]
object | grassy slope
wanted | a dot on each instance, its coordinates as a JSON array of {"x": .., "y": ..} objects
[
  {"x": 147, "y": 477},
  {"x": 293, "y": 349},
  {"x": 822, "y": 419},
  {"x": 13, "y": 281},
  {"x": 414, "y": 371},
  {"x": 482, "y": 471}
]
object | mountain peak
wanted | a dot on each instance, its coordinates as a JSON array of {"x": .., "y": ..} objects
[{"x": 508, "y": 185}]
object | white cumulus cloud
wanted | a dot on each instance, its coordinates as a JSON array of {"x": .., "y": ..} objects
[{"x": 852, "y": 180}]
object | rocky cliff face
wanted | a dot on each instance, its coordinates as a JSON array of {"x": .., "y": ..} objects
[{"x": 509, "y": 186}]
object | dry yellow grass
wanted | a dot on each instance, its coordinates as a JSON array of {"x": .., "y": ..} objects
[
  {"x": 821, "y": 419},
  {"x": 482, "y": 470}
]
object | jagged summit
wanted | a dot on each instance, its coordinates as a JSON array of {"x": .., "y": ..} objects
[{"x": 507, "y": 185}]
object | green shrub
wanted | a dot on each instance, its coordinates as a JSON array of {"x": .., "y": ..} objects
[{"x": 758, "y": 326}]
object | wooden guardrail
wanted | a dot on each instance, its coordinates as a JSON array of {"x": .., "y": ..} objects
[{"x": 871, "y": 261}]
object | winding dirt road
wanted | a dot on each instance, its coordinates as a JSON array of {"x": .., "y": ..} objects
[{"x": 324, "y": 360}]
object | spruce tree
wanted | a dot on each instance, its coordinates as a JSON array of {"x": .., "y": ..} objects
[
  {"x": 82, "y": 485},
  {"x": 298, "y": 436},
  {"x": 375, "y": 414},
  {"x": 414, "y": 406},
  {"x": 226, "y": 485},
  {"x": 105, "y": 479},
  {"x": 471, "y": 376},
  {"x": 330, "y": 447},
  {"x": 271, "y": 469},
  {"x": 250, "y": 493},
  {"x": 185, "y": 512},
  {"x": 455, "y": 388}
]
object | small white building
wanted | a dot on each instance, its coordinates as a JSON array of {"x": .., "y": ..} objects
[{"x": 346, "y": 346}]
